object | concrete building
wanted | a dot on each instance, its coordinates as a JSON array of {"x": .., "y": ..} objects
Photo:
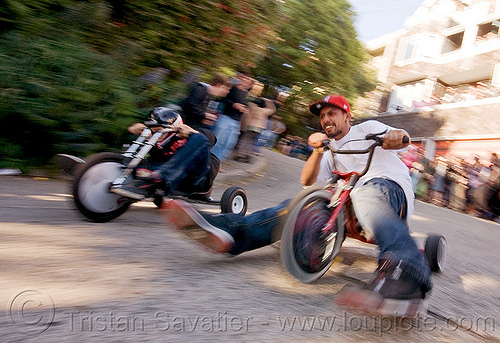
[{"x": 440, "y": 77}]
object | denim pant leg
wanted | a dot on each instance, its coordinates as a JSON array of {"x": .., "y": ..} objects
[
  {"x": 271, "y": 141},
  {"x": 255, "y": 230},
  {"x": 262, "y": 139},
  {"x": 227, "y": 131},
  {"x": 189, "y": 162},
  {"x": 380, "y": 206}
]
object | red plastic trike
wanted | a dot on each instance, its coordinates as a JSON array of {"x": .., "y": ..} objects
[{"x": 319, "y": 220}]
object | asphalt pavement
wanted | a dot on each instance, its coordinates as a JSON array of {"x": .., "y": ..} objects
[
  {"x": 134, "y": 279},
  {"x": 233, "y": 171}
]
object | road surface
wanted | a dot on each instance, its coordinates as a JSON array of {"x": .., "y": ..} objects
[{"x": 64, "y": 279}]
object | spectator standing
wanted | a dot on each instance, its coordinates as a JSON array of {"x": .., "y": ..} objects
[
  {"x": 195, "y": 111},
  {"x": 458, "y": 186},
  {"x": 416, "y": 171},
  {"x": 227, "y": 126},
  {"x": 448, "y": 181},
  {"x": 269, "y": 135},
  {"x": 481, "y": 193},
  {"x": 410, "y": 155},
  {"x": 422, "y": 190},
  {"x": 438, "y": 183},
  {"x": 485, "y": 192},
  {"x": 256, "y": 119},
  {"x": 285, "y": 145},
  {"x": 472, "y": 184},
  {"x": 494, "y": 183}
]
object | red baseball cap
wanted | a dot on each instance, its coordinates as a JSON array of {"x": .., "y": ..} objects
[{"x": 330, "y": 100}]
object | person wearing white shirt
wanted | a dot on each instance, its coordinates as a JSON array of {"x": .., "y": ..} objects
[{"x": 382, "y": 199}]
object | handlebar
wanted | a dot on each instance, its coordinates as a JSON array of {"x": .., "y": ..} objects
[
  {"x": 372, "y": 136},
  {"x": 370, "y": 150}
]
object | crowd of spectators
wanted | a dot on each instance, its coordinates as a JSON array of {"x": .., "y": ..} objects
[
  {"x": 455, "y": 183},
  {"x": 294, "y": 146},
  {"x": 241, "y": 119}
]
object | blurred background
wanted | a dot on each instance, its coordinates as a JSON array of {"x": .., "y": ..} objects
[{"x": 75, "y": 74}]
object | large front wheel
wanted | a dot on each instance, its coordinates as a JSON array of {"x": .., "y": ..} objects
[
  {"x": 91, "y": 188},
  {"x": 308, "y": 246}
]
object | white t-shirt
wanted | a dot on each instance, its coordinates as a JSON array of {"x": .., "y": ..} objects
[{"x": 385, "y": 163}]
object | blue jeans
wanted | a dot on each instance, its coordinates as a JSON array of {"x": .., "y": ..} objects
[
  {"x": 227, "y": 131},
  {"x": 255, "y": 230},
  {"x": 267, "y": 139},
  {"x": 380, "y": 206},
  {"x": 187, "y": 169}
]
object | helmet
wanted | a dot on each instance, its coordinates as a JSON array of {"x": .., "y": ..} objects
[{"x": 163, "y": 116}]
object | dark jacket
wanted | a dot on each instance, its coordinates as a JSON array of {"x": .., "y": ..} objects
[
  {"x": 195, "y": 105},
  {"x": 235, "y": 95}
]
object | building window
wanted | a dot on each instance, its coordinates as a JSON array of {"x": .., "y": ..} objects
[
  {"x": 453, "y": 42},
  {"x": 410, "y": 48},
  {"x": 488, "y": 31},
  {"x": 407, "y": 49}
]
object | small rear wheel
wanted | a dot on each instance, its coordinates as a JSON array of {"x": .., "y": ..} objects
[
  {"x": 435, "y": 251},
  {"x": 158, "y": 200},
  {"x": 234, "y": 200}
]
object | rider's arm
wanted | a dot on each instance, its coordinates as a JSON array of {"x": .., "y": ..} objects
[
  {"x": 393, "y": 139},
  {"x": 183, "y": 131},
  {"x": 136, "y": 128},
  {"x": 310, "y": 171}
]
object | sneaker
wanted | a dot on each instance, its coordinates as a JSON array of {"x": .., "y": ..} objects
[
  {"x": 391, "y": 293},
  {"x": 137, "y": 189},
  {"x": 147, "y": 175},
  {"x": 204, "y": 228},
  {"x": 143, "y": 185}
]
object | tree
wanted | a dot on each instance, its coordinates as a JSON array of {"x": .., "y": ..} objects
[
  {"x": 178, "y": 34},
  {"x": 316, "y": 53},
  {"x": 74, "y": 74},
  {"x": 65, "y": 87}
]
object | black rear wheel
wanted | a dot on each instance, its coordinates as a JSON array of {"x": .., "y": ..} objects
[
  {"x": 234, "y": 200},
  {"x": 158, "y": 200},
  {"x": 91, "y": 188},
  {"x": 435, "y": 251}
]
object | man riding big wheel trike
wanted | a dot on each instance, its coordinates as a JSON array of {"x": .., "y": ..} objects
[
  {"x": 168, "y": 159},
  {"x": 368, "y": 195}
]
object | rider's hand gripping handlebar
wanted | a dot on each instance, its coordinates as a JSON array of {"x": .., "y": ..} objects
[
  {"x": 377, "y": 137},
  {"x": 379, "y": 140}
]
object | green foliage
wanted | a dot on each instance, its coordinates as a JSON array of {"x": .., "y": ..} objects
[
  {"x": 75, "y": 73},
  {"x": 178, "y": 34},
  {"x": 58, "y": 92},
  {"x": 316, "y": 54}
]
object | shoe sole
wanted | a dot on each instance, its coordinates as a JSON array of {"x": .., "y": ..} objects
[
  {"x": 192, "y": 224},
  {"x": 128, "y": 194},
  {"x": 372, "y": 303}
]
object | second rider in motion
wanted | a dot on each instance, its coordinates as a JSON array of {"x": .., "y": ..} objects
[{"x": 382, "y": 199}]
